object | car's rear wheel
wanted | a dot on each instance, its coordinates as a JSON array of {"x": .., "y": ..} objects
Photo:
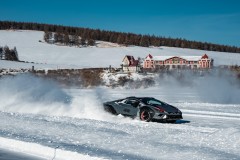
[
  {"x": 146, "y": 115},
  {"x": 111, "y": 110}
]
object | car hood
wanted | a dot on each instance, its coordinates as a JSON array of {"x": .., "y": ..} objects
[{"x": 167, "y": 108}]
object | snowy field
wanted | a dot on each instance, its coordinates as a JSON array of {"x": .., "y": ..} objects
[
  {"x": 52, "y": 56},
  {"x": 39, "y": 116}
]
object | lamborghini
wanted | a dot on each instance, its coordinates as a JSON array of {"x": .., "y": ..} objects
[{"x": 146, "y": 108}]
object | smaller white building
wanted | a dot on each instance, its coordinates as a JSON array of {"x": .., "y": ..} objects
[{"x": 130, "y": 65}]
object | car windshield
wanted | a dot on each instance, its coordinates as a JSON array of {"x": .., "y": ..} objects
[{"x": 152, "y": 101}]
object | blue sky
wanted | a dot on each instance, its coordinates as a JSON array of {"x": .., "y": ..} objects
[{"x": 216, "y": 21}]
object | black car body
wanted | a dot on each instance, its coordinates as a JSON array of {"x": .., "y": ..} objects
[{"x": 146, "y": 108}]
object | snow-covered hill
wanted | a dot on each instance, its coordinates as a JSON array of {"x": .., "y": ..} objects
[{"x": 53, "y": 56}]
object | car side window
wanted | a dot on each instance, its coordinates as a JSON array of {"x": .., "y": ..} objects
[
  {"x": 128, "y": 102},
  {"x": 132, "y": 102},
  {"x": 154, "y": 102}
]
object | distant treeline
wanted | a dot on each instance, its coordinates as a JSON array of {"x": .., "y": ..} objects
[
  {"x": 118, "y": 37},
  {"x": 66, "y": 39},
  {"x": 8, "y": 54}
]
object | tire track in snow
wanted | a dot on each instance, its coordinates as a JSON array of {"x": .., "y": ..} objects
[{"x": 209, "y": 114}]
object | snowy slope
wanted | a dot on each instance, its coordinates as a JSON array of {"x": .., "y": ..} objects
[{"x": 30, "y": 49}]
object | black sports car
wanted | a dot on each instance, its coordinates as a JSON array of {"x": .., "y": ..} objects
[{"x": 146, "y": 108}]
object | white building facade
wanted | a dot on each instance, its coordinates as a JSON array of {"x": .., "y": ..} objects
[{"x": 178, "y": 62}]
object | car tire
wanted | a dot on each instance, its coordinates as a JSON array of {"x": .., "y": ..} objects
[
  {"x": 146, "y": 115},
  {"x": 171, "y": 121}
]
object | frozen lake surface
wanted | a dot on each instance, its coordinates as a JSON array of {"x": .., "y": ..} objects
[
  {"x": 78, "y": 126},
  {"x": 13, "y": 155}
]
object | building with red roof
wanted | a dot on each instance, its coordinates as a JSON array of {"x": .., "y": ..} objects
[
  {"x": 181, "y": 62},
  {"x": 129, "y": 64}
]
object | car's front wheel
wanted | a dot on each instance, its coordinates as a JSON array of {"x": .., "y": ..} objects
[
  {"x": 146, "y": 115},
  {"x": 171, "y": 121}
]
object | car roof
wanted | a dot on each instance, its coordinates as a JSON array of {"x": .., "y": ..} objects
[{"x": 138, "y": 97}]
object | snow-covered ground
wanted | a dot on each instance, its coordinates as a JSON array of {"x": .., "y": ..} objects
[
  {"x": 36, "y": 116},
  {"x": 39, "y": 117},
  {"x": 7, "y": 154},
  {"x": 53, "y": 56}
]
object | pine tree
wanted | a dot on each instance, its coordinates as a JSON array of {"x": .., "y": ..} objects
[
  {"x": 47, "y": 36},
  {"x": 113, "y": 38},
  {"x": 182, "y": 45},
  {"x": 127, "y": 41},
  {"x": 83, "y": 42},
  {"x": 6, "y": 53},
  {"x": 55, "y": 37},
  {"x": 66, "y": 39},
  {"x": 91, "y": 42},
  {"x": 144, "y": 41},
  {"x": 120, "y": 39},
  {"x": 76, "y": 40},
  {"x": 85, "y": 34},
  {"x": 15, "y": 54},
  {"x": 1, "y": 53}
]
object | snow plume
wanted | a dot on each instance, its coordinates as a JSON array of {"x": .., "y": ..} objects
[
  {"x": 29, "y": 94},
  {"x": 216, "y": 86},
  {"x": 219, "y": 88},
  {"x": 32, "y": 89}
]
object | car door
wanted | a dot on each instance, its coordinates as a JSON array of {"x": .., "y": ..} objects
[{"x": 128, "y": 107}]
